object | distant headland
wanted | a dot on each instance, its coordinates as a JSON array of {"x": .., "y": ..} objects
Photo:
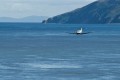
[{"x": 24, "y": 19}]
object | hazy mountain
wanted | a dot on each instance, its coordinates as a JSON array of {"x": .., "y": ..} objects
[
  {"x": 101, "y": 11},
  {"x": 25, "y": 19}
]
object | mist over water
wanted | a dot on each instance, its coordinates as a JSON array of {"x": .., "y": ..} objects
[{"x": 33, "y": 51}]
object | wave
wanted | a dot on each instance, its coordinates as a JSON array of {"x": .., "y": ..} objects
[
  {"x": 5, "y": 67},
  {"x": 34, "y": 34},
  {"x": 60, "y": 59},
  {"x": 50, "y": 66},
  {"x": 56, "y": 34},
  {"x": 48, "y": 58},
  {"x": 107, "y": 77}
]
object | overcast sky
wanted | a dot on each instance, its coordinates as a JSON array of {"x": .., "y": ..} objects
[{"x": 22, "y": 8}]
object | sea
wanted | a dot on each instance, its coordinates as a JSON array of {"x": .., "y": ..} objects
[{"x": 35, "y": 51}]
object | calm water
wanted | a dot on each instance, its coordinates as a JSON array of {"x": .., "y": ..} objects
[{"x": 32, "y": 51}]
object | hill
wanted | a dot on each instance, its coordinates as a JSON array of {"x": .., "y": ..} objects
[{"x": 98, "y": 12}]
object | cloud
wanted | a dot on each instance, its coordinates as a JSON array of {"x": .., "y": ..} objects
[{"x": 21, "y": 8}]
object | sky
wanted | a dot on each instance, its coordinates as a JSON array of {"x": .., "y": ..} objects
[{"x": 23, "y": 8}]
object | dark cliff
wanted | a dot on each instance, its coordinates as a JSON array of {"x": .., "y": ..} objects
[{"x": 98, "y": 12}]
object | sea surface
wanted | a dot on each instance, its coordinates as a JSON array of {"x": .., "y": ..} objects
[{"x": 34, "y": 51}]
